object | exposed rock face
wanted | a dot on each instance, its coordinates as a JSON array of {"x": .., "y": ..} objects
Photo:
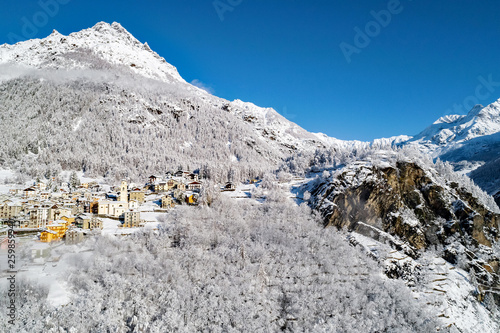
[
  {"x": 497, "y": 198},
  {"x": 404, "y": 201},
  {"x": 412, "y": 209}
]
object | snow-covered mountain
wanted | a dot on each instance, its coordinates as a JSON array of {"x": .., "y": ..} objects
[
  {"x": 470, "y": 142},
  {"x": 95, "y": 48},
  {"x": 101, "y": 84},
  {"x": 452, "y": 132}
]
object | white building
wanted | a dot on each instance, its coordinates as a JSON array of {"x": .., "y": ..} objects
[{"x": 112, "y": 208}]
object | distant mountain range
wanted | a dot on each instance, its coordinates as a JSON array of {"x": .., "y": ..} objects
[{"x": 471, "y": 143}]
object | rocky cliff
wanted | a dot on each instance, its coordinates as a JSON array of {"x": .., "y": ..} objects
[{"x": 412, "y": 209}]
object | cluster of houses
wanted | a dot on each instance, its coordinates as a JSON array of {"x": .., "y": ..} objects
[{"x": 70, "y": 214}]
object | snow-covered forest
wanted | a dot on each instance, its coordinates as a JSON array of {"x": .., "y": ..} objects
[
  {"x": 229, "y": 268},
  {"x": 106, "y": 130}
]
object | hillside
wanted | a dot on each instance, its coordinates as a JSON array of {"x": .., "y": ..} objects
[
  {"x": 407, "y": 211},
  {"x": 103, "y": 102}
]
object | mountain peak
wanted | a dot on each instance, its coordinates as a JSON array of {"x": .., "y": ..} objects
[
  {"x": 113, "y": 28},
  {"x": 89, "y": 49}
]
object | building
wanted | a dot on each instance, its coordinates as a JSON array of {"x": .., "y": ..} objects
[
  {"x": 9, "y": 209},
  {"x": 94, "y": 223},
  {"x": 137, "y": 195},
  {"x": 112, "y": 208},
  {"x": 192, "y": 199},
  {"x": 192, "y": 177},
  {"x": 45, "y": 195},
  {"x": 53, "y": 232},
  {"x": 58, "y": 211},
  {"x": 88, "y": 221},
  {"x": 229, "y": 187},
  {"x": 133, "y": 204},
  {"x": 171, "y": 184},
  {"x": 82, "y": 219},
  {"x": 41, "y": 186},
  {"x": 123, "y": 191},
  {"x": 131, "y": 219},
  {"x": 29, "y": 192},
  {"x": 167, "y": 202},
  {"x": 160, "y": 187},
  {"x": 194, "y": 186},
  {"x": 73, "y": 236}
]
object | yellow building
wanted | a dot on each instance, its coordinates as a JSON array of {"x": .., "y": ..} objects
[
  {"x": 69, "y": 220},
  {"x": 192, "y": 200},
  {"x": 53, "y": 232}
]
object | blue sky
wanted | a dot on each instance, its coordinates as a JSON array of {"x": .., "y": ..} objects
[{"x": 419, "y": 61}]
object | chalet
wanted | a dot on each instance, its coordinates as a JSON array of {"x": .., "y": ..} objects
[
  {"x": 69, "y": 220},
  {"x": 131, "y": 219},
  {"x": 160, "y": 187},
  {"x": 39, "y": 216},
  {"x": 194, "y": 186},
  {"x": 229, "y": 187},
  {"x": 29, "y": 192},
  {"x": 15, "y": 191},
  {"x": 94, "y": 223},
  {"x": 56, "y": 212},
  {"x": 181, "y": 186},
  {"x": 152, "y": 179},
  {"x": 179, "y": 173},
  {"x": 34, "y": 202},
  {"x": 94, "y": 187},
  {"x": 193, "y": 177}
]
